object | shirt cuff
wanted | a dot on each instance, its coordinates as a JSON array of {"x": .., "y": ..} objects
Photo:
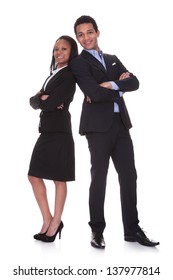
[{"x": 114, "y": 85}]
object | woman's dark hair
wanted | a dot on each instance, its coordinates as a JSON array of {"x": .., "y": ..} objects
[
  {"x": 85, "y": 19},
  {"x": 73, "y": 53}
]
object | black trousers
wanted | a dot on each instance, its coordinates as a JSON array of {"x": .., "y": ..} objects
[{"x": 116, "y": 144}]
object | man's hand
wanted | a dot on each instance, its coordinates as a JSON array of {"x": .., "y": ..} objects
[
  {"x": 109, "y": 85},
  {"x": 106, "y": 85},
  {"x": 124, "y": 75}
]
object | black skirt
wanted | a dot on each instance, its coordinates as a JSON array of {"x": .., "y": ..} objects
[{"x": 53, "y": 157}]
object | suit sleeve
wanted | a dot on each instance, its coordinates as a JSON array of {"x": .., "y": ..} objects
[
  {"x": 62, "y": 91},
  {"x": 89, "y": 85},
  {"x": 35, "y": 100},
  {"x": 128, "y": 84}
]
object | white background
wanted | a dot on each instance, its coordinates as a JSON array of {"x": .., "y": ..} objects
[{"x": 140, "y": 34}]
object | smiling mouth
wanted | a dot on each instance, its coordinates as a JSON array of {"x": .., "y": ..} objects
[
  {"x": 60, "y": 57},
  {"x": 88, "y": 43}
]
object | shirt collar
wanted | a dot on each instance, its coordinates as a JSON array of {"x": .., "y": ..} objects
[
  {"x": 95, "y": 53},
  {"x": 58, "y": 69}
]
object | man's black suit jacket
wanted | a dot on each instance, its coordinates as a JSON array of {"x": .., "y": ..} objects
[{"x": 97, "y": 116}]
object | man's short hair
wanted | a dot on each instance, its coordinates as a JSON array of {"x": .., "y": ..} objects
[{"x": 85, "y": 19}]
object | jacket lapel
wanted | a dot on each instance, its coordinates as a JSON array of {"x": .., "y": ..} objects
[
  {"x": 56, "y": 76},
  {"x": 91, "y": 59}
]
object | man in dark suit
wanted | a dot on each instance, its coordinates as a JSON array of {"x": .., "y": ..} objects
[{"x": 105, "y": 121}]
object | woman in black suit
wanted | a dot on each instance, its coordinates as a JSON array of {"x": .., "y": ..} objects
[{"x": 53, "y": 154}]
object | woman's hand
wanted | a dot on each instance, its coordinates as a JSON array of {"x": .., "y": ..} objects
[
  {"x": 88, "y": 99},
  {"x": 60, "y": 107},
  {"x": 44, "y": 97}
]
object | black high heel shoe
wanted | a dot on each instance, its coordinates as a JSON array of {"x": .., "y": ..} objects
[
  {"x": 46, "y": 238},
  {"x": 38, "y": 236}
]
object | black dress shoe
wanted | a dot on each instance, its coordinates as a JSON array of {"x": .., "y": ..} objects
[
  {"x": 97, "y": 240},
  {"x": 141, "y": 238}
]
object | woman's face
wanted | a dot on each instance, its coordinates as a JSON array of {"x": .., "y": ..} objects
[{"x": 62, "y": 50}]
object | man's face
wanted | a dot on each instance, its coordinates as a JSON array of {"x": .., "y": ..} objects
[{"x": 87, "y": 36}]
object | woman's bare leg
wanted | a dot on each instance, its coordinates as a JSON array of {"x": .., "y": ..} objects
[
  {"x": 40, "y": 193},
  {"x": 60, "y": 198}
]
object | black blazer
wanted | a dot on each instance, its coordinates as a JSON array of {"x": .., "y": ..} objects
[
  {"x": 98, "y": 115},
  {"x": 61, "y": 89}
]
